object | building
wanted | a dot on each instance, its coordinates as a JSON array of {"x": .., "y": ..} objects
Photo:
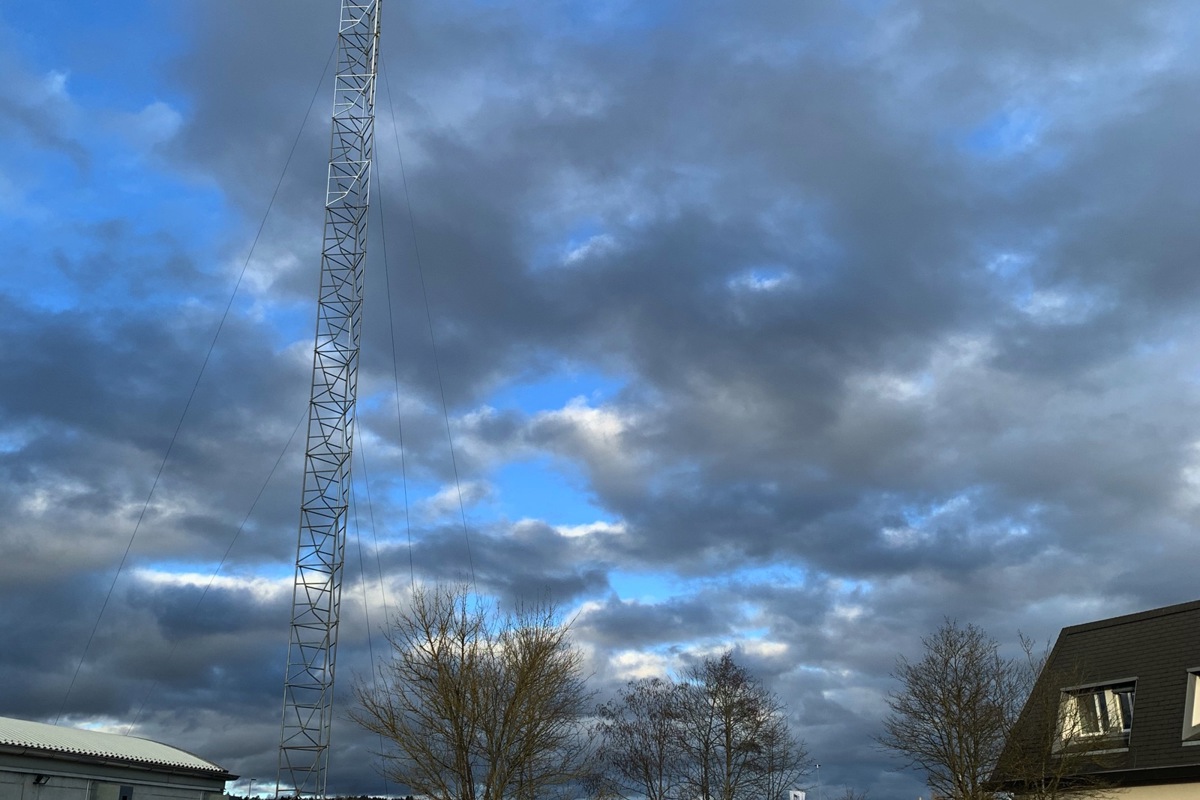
[
  {"x": 46, "y": 762},
  {"x": 1117, "y": 705}
]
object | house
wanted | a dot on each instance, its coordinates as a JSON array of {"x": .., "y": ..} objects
[
  {"x": 47, "y": 762},
  {"x": 1117, "y": 705}
]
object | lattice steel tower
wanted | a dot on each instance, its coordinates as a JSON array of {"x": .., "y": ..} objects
[{"x": 308, "y": 686}]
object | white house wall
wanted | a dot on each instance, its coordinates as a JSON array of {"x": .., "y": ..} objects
[{"x": 1180, "y": 791}]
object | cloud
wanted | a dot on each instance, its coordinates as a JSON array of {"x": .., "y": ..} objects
[
  {"x": 157, "y": 122},
  {"x": 892, "y": 305}
]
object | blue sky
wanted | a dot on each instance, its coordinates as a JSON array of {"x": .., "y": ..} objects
[{"x": 773, "y": 327}]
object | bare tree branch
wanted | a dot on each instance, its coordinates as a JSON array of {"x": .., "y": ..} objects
[
  {"x": 953, "y": 710},
  {"x": 716, "y": 735},
  {"x": 476, "y": 705}
]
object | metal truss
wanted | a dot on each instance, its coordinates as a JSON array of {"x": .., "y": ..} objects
[{"x": 320, "y": 552}]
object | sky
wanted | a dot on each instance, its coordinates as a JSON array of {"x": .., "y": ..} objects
[{"x": 791, "y": 328}]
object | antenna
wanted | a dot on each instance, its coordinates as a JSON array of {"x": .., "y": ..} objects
[{"x": 320, "y": 550}]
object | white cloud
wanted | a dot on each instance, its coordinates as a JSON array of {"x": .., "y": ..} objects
[
  {"x": 265, "y": 590},
  {"x": 594, "y": 433},
  {"x": 54, "y": 85},
  {"x": 635, "y": 664},
  {"x": 598, "y": 245},
  {"x": 764, "y": 648},
  {"x": 859, "y": 700},
  {"x": 587, "y": 529},
  {"x": 156, "y": 123},
  {"x": 449, "y": 500},
  {"x": 1063, "y": 307}
]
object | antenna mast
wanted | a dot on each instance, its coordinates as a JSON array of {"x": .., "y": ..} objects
[{"x": 320, "y": 552}]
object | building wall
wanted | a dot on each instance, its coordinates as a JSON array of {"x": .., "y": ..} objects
[
  {"x": 50, "y": 779},
  {"x": 1178, "y": 791}
]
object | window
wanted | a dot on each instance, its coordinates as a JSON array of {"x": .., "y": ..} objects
[
  {"x": 1191, "y": 708},
  {"x": 109, "y": 791},
  {"x": 1096, "y": 715}
]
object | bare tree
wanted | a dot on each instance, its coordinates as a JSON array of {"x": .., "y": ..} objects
[
  {"x": 477, "y": 704},
  {"x": 954, "y": 709},
  {"x": 641, "y": 746},
  {"x": 850, "y": 794},
  {"x": 784, "y": 760},
  {"x": 735, "y": 735},
  {"x": 718, "y": 734}
]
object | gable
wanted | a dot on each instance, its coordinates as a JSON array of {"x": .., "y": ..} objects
[{"x": 1153, "y": 656}]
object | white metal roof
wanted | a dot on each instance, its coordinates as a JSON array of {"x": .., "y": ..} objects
[{"x": 39, "y": 736}]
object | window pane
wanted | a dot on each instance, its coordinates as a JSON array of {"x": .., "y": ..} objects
[{"x": 1105, "y": 711}]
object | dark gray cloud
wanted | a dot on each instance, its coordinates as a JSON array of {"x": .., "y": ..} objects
[{"x": 896, "y": 301}]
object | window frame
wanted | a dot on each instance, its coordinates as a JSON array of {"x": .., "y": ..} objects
[
  {"x": 1119, "y": 696},
  {"x": 1191, "y": 708}
]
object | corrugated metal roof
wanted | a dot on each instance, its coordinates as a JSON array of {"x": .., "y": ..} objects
[{"x": 97, "y": 744}]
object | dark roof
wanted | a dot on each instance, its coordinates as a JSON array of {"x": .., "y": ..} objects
[
  {"x": 1135, "y": 618},
  {"x": 1155, "y": 648}
]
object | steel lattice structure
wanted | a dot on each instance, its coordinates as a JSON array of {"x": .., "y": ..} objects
[{"x": 316, "y": 598}]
